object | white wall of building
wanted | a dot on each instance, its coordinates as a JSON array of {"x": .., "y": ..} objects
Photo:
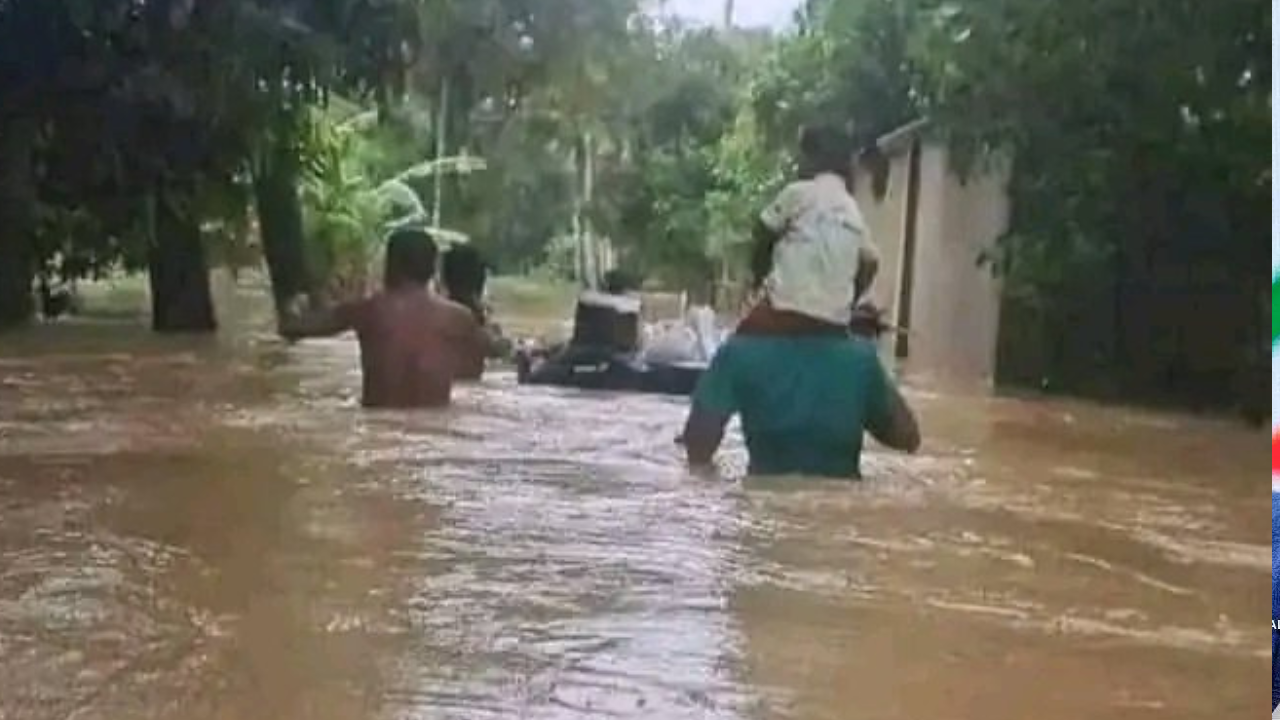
[{"x": 955, "y": 304}]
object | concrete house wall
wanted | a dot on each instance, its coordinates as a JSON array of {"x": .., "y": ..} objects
[{"x": 931, "y": 227}]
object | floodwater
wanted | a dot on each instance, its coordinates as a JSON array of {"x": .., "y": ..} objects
[{"x": 213, "y": 529}]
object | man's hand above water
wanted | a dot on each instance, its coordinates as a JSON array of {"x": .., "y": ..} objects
[{"x": 302, "y": 318}]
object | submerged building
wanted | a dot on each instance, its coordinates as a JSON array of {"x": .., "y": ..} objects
[{"x": 933, "y": 226}]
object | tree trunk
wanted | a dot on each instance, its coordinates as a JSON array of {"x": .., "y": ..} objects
[
  {"x": 442, "y": 146},
  {"x": 280, "y": 224},
  {"x": 181, "y": 300},
  {"x": 590, "y": 246},
  {"x": 17, "y": 199}
]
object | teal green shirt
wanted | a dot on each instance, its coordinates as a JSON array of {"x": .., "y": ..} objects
[{"x": 805, "y": 402}]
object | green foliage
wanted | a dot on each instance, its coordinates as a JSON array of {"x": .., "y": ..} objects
[
  {"x": 850, "y": 64},
  {"x": 341, "y": 210},
  {"x": 677, "y": 184},
  {"x": 747, "y": 174},
  {"x": 349, "y": 208},
  {"x": 1136, "y": 131},
  {"x": 1127, "y": 119},
  {"x": 1135, "y": 124},
  {"x": 526, "y": 199}
]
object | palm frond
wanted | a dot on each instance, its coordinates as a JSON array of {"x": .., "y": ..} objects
[
  {"x": 454, "y": 165},
  {"x": 447, "y": 236},
  {"x": 400, "y": 194}
]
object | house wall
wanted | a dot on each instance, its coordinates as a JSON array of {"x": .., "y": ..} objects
[
  {"x": 955, "y": 304},
  {"x": 885, "y": 220}
]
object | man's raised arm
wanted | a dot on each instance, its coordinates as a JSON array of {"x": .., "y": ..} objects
[{"x": 298, "y": 323}]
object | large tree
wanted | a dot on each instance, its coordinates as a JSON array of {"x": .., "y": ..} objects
[
  {"x": 195, "y": 97},
  {"x": 1140, "y": 186},
  {"x": 31, "y": 41}
]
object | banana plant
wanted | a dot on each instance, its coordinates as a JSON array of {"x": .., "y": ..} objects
[{"x": 348, "y": 212}]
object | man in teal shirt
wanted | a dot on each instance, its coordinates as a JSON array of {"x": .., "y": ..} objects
[{"x": 805, "y": 402}]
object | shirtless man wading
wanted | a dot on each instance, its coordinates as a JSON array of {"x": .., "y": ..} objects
[{"x": 414, "y": 344}]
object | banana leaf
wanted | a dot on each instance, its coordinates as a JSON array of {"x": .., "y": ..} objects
[{"x": 454, "y": 165}]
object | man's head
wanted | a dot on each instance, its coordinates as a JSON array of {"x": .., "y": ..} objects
[
  {"x": 411, "y": 258},
  {"x": 824, "y": 149},
  {"x": 464, "y": 272}
]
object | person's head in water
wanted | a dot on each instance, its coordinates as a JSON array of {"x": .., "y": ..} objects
[
  {"x": 411, "y": 259},
  {"x": 465, "y": 272},
  {"x": 825, "y": 149}
]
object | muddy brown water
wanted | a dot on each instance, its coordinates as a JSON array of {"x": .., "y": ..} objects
[{"x": 213, "y": 529}]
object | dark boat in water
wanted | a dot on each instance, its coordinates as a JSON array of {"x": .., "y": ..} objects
[
  {"x": 579, "y": 368},
  {"x": 605, "y": 354}
]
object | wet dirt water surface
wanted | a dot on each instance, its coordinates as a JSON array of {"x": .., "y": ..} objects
[{"x": 196, "y": 529}]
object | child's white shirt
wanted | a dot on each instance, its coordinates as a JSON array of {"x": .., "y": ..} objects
[{"x": 822, "y": 240}]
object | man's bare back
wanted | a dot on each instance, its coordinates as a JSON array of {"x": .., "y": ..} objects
[{"x": 414, "y": 344}]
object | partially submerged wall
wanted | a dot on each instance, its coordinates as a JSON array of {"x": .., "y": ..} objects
[
  {"x": 954, "y": 313},
  {"x": 956, "y": 302}
]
